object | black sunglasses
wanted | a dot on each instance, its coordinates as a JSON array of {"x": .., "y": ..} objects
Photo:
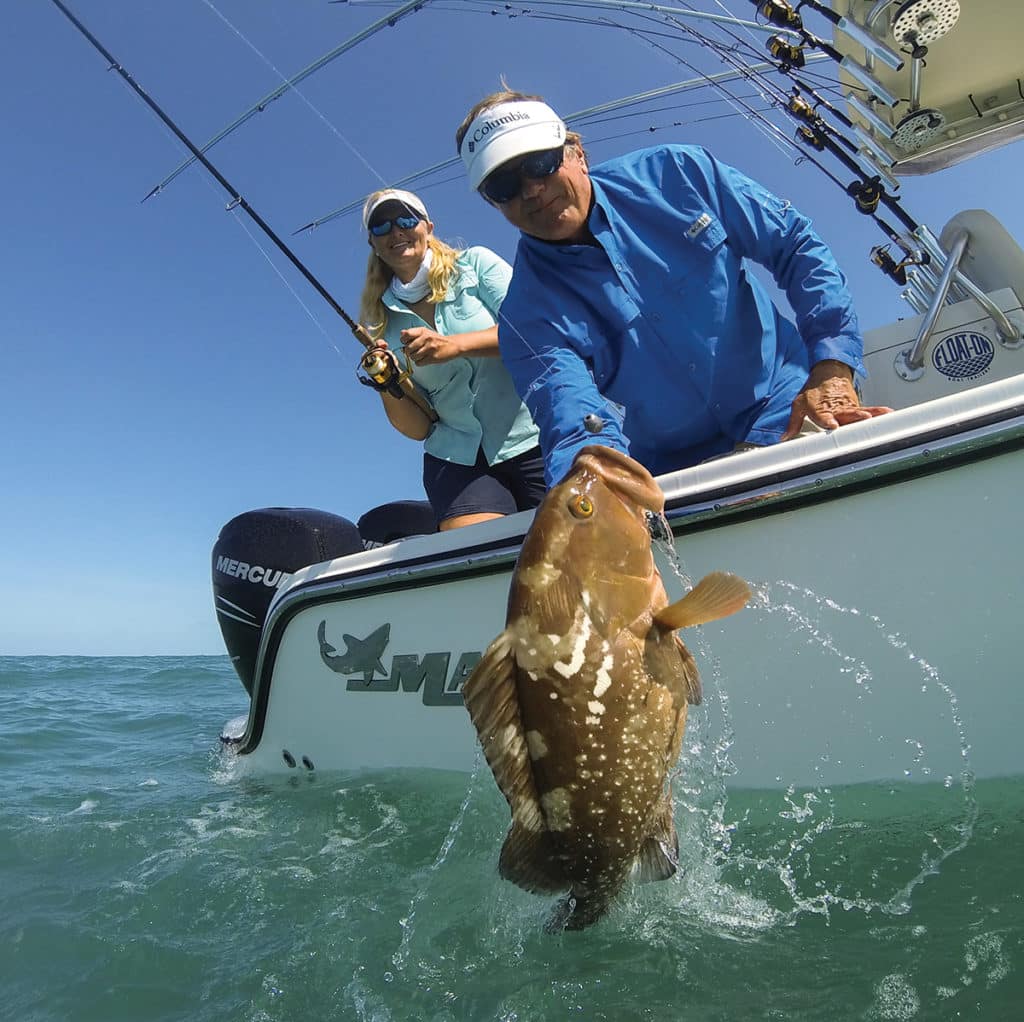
[
  {"x": 406, "y": 223},
  {"x": 505, "y": 183}
]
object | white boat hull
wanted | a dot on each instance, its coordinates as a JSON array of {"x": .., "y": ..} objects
[{"x": 881, "y": 644}]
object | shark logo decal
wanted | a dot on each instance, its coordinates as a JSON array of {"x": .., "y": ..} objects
[
  {"x": 361, "y": 656},
  {"x": 410, "y": 672}
]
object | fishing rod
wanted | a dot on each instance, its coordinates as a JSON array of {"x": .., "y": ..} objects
[
  {"x": 292, "y": 82},
  {"x": 380, "y": 366},
  {"x": 867, "y": 190},
  {"x": 574, "y": 119}
]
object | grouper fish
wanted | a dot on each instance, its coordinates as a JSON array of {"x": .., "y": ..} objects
[{"x": 580, "y": 703}]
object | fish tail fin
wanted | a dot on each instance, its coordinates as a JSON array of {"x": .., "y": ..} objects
[
  {"x": 576, "y": 911},
  {"x": 715, "y": 596},
  {"x": 658, "y": 858},
  {"x": 528, "y": 860}
]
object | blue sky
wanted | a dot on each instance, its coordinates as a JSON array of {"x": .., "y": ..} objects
[{"x": 159, "y": 375}]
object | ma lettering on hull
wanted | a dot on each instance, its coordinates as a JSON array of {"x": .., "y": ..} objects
[{"x": 430, "y": 673}]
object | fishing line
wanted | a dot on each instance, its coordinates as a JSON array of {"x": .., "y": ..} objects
[
  {"x": 663, "y": 109},
  {"x": 284, "y": 280},
  {"x": 389, "y": 377},
  {"x": 407, "y": 8},
  {"x": 298, "y": 92},
  {"x": 757, "y": 79},
  {"x": 819, "y": 134},
  {"x": 651, "y": 129},
  {"x": 358, "y": 154},
  {"x": 721, "y": 6},
  {"x": 351, "y": 147},
  {"x": 252, "y": 237},
  {"x": 771, "y": 132}
]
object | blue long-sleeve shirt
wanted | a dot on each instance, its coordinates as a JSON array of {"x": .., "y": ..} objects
[{"x": 662, "y": 319}]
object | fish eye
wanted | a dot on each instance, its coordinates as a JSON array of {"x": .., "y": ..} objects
[{"x": 581, "y": 506}]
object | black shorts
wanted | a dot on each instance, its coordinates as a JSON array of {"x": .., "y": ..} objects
[{"x": 509, "y": 486}]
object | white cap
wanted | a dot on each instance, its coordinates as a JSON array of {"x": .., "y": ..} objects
[
  {"x": 414, "y": 202},
  {"x": 502, "y": 132}
]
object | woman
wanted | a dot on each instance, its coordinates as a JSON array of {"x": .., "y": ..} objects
[{"x": 440, "y": 306}]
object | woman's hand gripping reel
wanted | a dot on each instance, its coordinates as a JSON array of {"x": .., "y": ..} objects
[{"x": 381, "y": 369}]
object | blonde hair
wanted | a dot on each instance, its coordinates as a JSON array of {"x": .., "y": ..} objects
[
  {"x": 373, "y": 313},
  {"x": 507, "y": 95}
]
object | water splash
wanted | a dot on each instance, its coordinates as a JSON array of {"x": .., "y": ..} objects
[
  {"x": 401, "y": 956},
  {"x": 805, "y": 866}
]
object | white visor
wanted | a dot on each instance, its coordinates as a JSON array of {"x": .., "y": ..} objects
[
  {"x": 508, "y": 130},
  {"x": 414, "y": 202}
]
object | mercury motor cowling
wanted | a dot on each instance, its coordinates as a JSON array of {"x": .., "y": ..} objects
[{"x": 254, "y": 556}]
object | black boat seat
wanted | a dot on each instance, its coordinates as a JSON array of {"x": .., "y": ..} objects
[{"x": 398, "y": 519}]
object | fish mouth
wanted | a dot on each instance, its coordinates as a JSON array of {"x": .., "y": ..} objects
[{"x": 626, "y": 478}]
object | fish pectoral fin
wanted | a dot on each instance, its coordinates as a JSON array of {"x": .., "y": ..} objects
[
  {"x": 715, "y": 596},
  {"x": 658, "y": 858},
  {"x": 528, "y": 860},
  {"x": 493, "y": 703}
]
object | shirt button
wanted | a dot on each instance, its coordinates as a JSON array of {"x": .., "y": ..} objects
[
  {"x": 656, "y": 318},
  {"x": 693, "y": 367}
]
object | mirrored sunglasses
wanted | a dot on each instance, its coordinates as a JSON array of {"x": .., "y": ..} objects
[
  {"x": 505, "y": 183},
  {"x": 406, "y": 223}
]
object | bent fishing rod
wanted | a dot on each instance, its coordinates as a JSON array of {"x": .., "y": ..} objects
[{"x": 380, "y": 366}]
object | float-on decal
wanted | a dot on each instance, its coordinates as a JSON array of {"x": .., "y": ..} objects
[{"x": 965, "y": 355}]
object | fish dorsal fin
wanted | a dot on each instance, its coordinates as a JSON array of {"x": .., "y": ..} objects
[
  {"x": 658, "y": 858},
  {"x": 716, "y": 595}
]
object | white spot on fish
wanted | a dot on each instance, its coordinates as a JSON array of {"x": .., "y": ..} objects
[
  {"x": 557, "y": 809},
  {"x": 582, "y": 627},
  {"x": 554, "y": 695},
  {"x": 593, "y": 720},
  {"x": 604, "y": 678},
  {"x": 595, "y": 707},
  {"x": 536, "y": 744},
  {"x": 540, "y": 575}
]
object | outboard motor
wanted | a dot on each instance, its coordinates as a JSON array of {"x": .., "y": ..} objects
[{"x": 254, "y": 556}]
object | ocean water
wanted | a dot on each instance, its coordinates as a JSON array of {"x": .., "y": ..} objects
[{"x": 141, "y": 878}]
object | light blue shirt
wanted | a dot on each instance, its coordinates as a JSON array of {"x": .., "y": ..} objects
[
  {"x": 474, "y": 396},
  {"x": 663, "y": 319}
]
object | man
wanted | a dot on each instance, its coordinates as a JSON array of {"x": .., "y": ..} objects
[{"x": 629, "y": 289}]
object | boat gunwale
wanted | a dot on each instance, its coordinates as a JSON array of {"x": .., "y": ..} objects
[{"x": 814, "y": 470}]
